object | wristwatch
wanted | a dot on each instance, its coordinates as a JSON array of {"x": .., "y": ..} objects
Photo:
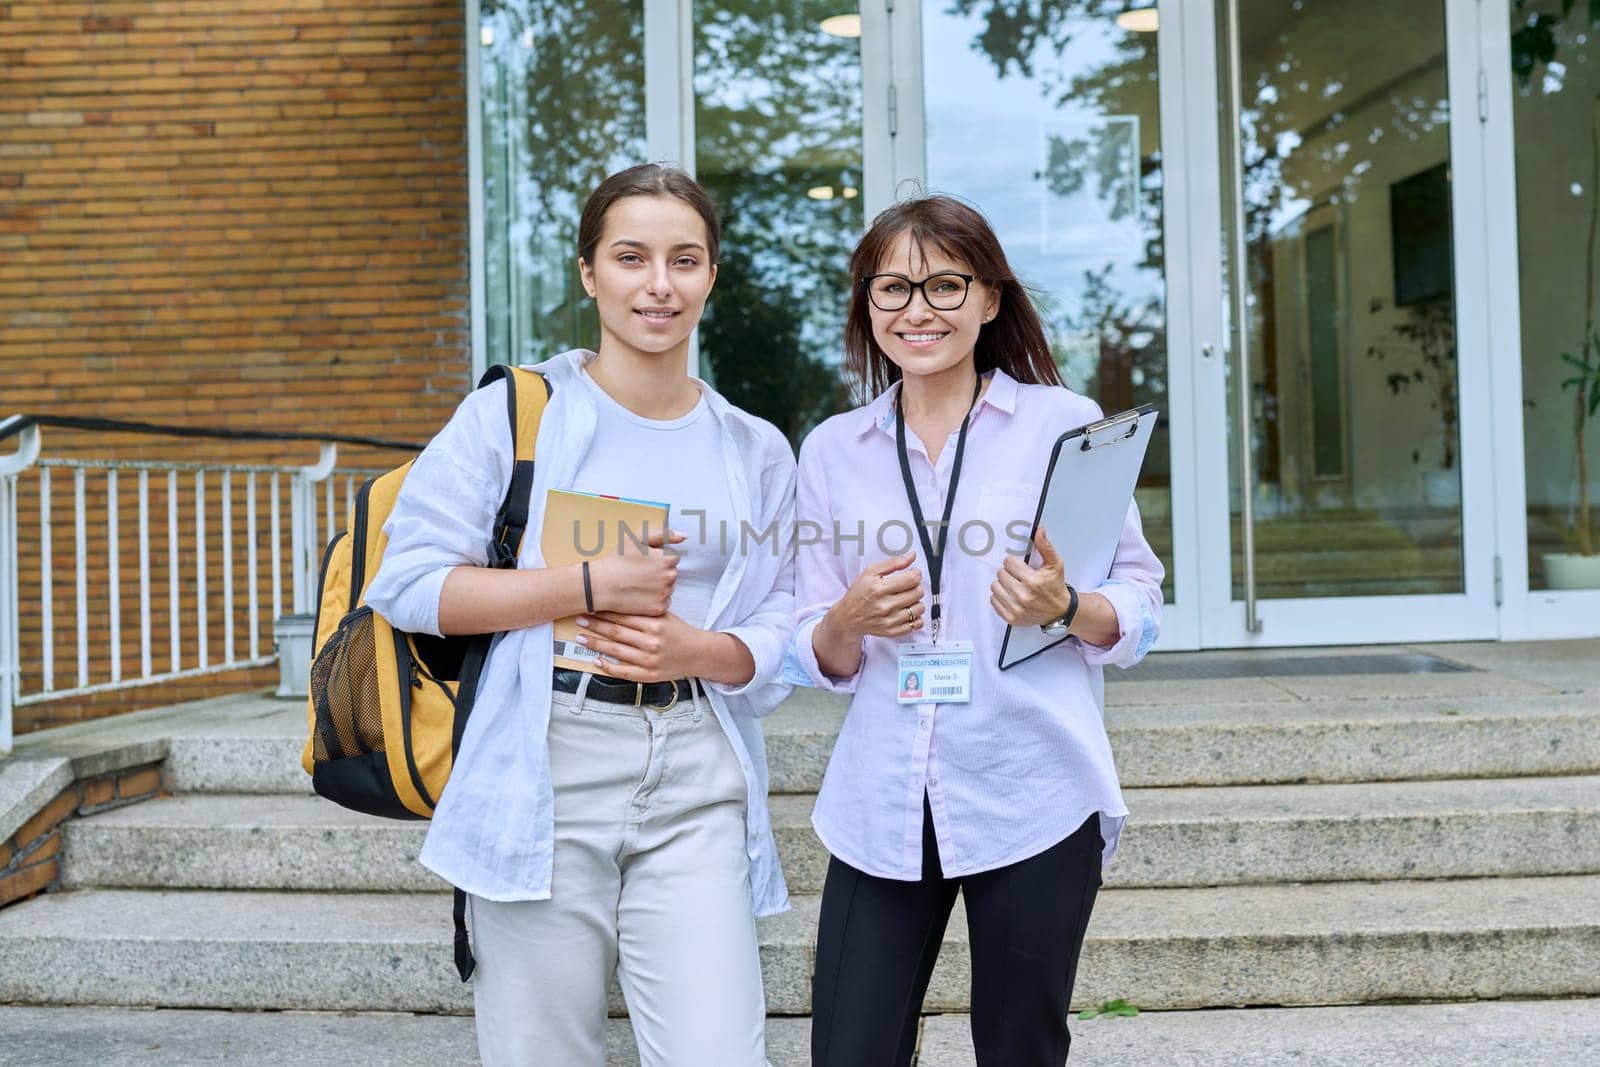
[{"x": 1058, "y": 627}]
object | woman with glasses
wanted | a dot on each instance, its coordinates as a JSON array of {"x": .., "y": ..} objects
[
  {"x": 997, "y": 784},
  {"x": 613, "y": 821}
]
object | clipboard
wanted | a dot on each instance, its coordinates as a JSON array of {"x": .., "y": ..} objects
[{"x": 1084, "y": 503}]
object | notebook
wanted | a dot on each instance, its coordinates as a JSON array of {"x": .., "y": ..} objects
[{"x": 590, "y": 526}]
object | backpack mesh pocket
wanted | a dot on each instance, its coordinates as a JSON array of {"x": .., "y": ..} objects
[{"x": 344, "y": 691}]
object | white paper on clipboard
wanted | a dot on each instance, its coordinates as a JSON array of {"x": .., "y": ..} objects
[{"x": 1083, "y": 505}]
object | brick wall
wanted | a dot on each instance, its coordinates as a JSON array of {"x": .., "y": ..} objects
[
  {"x": 30, "y": 859},
  {"x": 249, "y": 214}
]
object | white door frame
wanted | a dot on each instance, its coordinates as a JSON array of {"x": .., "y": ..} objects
[
  {"x": 891, "y": 100},
  {"x": 1348, "y": 620},
  {"x": 1190, "y": 182},
  {"x": 478, "y": 293}
]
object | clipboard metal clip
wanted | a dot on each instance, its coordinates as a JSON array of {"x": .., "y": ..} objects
[{"x": 1107, "y": 432}]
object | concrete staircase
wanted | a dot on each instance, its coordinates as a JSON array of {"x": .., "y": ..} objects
[{"x": 1292, "y": 842}]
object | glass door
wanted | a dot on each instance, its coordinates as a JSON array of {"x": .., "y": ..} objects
[
  {"x": 1064, "y": 124},
  {"x": 560, "y": 102},
  {"x": 778, "y": 140},
  {"x": 765, "y": 103},
  {"x": 1344, "y": 496}
]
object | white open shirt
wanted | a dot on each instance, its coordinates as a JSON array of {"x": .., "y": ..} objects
[{"x": 493, "y": 829}]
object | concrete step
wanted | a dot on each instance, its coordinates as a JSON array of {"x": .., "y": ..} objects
[
  {"x": 199, "y": 841},
  {"x": 1174, "y": 737},
  {"x": 1164, "y": 733},
  {"x": 1237, "y": 835},
  {"x": 1419, "y": 1035},
  {"x": 242, "y": 754},
  {"x": 1175, "y": 837},
  {"x": 1538, "y": 1033},
  {"x": 1336, "y": 943},
  {"x": 114, "y": 1037}
]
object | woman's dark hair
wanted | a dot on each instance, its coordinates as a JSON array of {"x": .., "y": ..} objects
[
  {"x": 1014, "y": 341},
  {"x": 646, "y": 179}
]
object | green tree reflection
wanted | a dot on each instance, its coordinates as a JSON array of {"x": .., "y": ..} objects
[
  {"x": 1030, "y": 41},
  {"x": 778, "y": 116},
  {"x": 563, "y": 106}
]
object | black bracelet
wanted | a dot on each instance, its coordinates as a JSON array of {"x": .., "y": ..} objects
[
  {"x": 588, "y": 590},
  {"x": 1072, "y": 607}
]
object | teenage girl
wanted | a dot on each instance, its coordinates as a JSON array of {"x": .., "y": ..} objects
[{"x": 614, "y": 822}]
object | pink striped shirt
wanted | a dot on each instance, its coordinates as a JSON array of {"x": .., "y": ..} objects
[{"x": 1027, "y": 761}]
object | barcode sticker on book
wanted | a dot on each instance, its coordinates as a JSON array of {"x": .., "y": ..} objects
[{"x": 573, "y": 650}]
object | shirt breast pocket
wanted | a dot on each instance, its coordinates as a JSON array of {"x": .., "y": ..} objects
[{"x": 1002, "y": 524}]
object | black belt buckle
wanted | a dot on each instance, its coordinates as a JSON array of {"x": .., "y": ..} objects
[{"x": 611, "y": 690}]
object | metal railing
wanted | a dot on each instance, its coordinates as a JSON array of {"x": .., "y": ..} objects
[{"x": 203, "y": 510}]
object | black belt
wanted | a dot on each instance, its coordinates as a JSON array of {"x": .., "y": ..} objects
[{"x": 657, "y": 696}]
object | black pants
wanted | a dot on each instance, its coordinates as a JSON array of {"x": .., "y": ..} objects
[{"x": 878, "y": 939}]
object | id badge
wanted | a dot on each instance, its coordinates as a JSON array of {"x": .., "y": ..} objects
[{"x": 935, "y": 674}]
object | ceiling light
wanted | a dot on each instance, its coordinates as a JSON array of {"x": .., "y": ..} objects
[
  {"x": 486, "y": 35},
  {"x": 1139, "y": 20},
  {"x": 820, "y": 192},
  {"x": 842, "y": 26},
  {"x": 850, "y": 192}
]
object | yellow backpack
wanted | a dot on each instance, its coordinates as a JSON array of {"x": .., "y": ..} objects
[{"x": 387, "y": 709}]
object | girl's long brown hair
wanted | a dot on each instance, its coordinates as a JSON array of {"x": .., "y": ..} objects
[{"x": 1014, "y": 341}]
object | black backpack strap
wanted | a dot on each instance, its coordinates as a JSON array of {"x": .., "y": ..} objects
[
  {"x": 465, "y": 964},
  {"x": 522, "y": 414},
  {"x": 471, "y": 669},
  {"x": 467, "y": 692},
  {"x": 472, "y": 664},
  {"x": 494, "y": 374},
  {"x": 510, "y": 525}
]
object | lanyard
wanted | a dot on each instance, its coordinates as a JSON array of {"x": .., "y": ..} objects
[{"x": 935, "y": 557}]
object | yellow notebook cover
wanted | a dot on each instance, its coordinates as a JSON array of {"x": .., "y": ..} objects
[{"x": 587, "y": 526}]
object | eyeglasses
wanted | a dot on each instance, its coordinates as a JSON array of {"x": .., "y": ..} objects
[{"x": 892, "y": 292}]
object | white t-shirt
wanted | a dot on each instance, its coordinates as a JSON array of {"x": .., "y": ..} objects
[{"x": 677, "y": 462}]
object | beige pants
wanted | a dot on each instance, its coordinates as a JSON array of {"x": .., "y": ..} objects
[{"x": 651, "y": 881}]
